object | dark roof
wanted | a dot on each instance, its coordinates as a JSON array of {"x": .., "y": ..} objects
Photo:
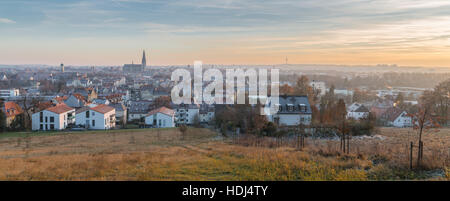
[
  {"x": 392, "y": 113},
  {"x": 362, "y": 108},
  {"x": 139, "y": 107},
  {"x": 300, "y": 104},
  {"x": 83, "y": 109},
  {"x": 118, "y": 106}
]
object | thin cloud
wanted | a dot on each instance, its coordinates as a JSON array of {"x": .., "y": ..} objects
[{"x": 7, "y": 21}]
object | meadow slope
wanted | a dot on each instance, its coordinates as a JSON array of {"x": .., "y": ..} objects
[{"x": 165, "y": 154}]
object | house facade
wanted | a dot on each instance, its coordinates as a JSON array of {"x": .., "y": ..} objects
[
  {"x": 292, "y": 111},
  {"x": 206, "y": 113},
  {"x": 138, "y": 109},
  {"x": 121, "y": 113},
  {"x": 53, "y": 118},
  {"x": 397, "y": 118},
  {"x": 100, "y": 117},
  {"x": 186, "y": 114},
  {"x": 11, "y": 111},
  {"x": 161, "y": 118},
  {"x": 357, "y": 111},
  {"x": 402, "y": 120}
]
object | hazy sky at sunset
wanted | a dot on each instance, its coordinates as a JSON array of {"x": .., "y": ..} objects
[{"x": 114, "y": 32}]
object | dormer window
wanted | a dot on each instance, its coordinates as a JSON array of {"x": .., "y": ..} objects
[
  {"x": 290, "y": 107},
  {"x": 302, "y": 107}
]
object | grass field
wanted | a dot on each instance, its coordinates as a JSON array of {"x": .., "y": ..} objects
[{"x": 165, "y": 154}]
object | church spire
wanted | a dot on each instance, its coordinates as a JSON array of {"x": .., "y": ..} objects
[{"x": 144, "y": 61}]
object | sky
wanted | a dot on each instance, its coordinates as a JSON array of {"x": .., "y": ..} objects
[{"x": 114, "y": 32}]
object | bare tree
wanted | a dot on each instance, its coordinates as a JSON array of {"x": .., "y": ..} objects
[
  {"x": 183, "y": 129},
  {"x": 30, "y": 105},
  {"x": 424, "y": 122}
]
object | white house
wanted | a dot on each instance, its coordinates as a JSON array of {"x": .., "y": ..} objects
[
  {"x": 292, "y": 111},
  {"x": 357, "y": 111},
  {"x": 98, "y": 118},
  {"x": 397, "y": 118},
  {"x": 6, "y": 93},
  {"x": 53, "y": 118},
  {"x": 161, "y": 118}
]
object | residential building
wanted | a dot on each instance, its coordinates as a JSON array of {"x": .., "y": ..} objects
[
  {"x": 380, "y": 107},
  {"x": 11, "y": 111},
  {"x": 357, "y": 111},
  {"x": 186, "y": 114},
  {"x": 396, "y": 117},
  {"x": 121, "y": 113},
  {"x": 76, "y": 100},
  {"x": 162, "y": 117},
  {"x": 206, "y": 113},
  {"x": 100, "y": 117},
  {"x": 101, "y": 101},
  {"x": 53, "y": 118},
  {"x": 292, "y": 111},
  {"x": 138, "y": 109},
  {"x": 6, "y": 93}
]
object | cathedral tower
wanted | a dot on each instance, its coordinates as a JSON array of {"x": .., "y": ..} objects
[{"x": 144, "y": 61}]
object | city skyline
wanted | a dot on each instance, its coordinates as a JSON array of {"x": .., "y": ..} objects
[{"x": 114, "y": 32}]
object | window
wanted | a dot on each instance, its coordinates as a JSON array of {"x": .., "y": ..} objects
[
  {"x": 93, "y": 113},
  {"x": 52, "y": 126},
  {"x": 52, "y": 119},
  {"x": 87, "y": 114},
  {"x": 93, "y": 122},
  {"x": 46, "y": 119},
  {"x": 41, "y": 127},
  {"x": 41, "y": 117}
]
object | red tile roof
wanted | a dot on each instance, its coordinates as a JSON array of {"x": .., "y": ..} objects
[
  {"x": 114, "y": 96},
  {"x": 44, "y": 105},
  {"x": 12, "y": 109},
  {"x": 79, "y": 97},
  {"x": 163, "y": 110},
  {"x": 102, "y": 108},
  {"x": 60, "y": 108}
]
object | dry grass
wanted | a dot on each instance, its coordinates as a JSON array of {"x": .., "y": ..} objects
[{"x": 164, "y": 155}]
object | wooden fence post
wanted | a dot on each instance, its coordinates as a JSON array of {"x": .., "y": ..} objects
[
  {"x": 303, "y": 141},
  {"x": 411, "y": 156},
  {"x": 421, "y": 151},
  {"x": 348, "y": 144}
]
